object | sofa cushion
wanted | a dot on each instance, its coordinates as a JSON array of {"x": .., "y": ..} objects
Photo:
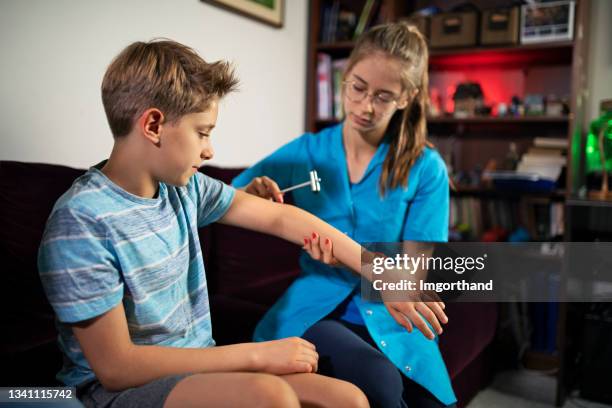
[
  {"x": 27, "y": 194},
  {"x": 470, "y": 329}
]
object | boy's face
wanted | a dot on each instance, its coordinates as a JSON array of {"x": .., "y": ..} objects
[{"x": 185, "y": 144}]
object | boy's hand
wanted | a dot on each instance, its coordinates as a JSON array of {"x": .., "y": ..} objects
[
  {"x": 286, "y": 356},
  {"x": 321, "y": 249},
  {"x": 265, "y": 187}
]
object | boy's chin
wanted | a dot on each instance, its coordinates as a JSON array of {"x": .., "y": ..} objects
[
  {"x": 179, "y": 182},
  {"x": 183, "y": 182}
]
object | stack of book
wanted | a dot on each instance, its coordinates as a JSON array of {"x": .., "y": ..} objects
[
  {"x": 539, "y": 169},
  {"x": 546, "y": 158}
]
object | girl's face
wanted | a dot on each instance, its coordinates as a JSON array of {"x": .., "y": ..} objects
[{"x": 373, "y": 91}]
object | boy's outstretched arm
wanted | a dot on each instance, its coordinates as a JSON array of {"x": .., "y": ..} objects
[
  {"x": 290, "y": 223},
  {"x": 293, "y": 224},
  {"x": 119, "y": 363}
]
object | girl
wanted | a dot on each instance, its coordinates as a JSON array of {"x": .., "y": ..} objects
[{"x": 381, "y": 181}]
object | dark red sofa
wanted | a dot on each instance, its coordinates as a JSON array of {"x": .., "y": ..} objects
[{"x": 246, "y": 273}]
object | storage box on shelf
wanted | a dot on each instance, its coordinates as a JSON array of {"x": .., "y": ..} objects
[{"x": 454, "y": 30}]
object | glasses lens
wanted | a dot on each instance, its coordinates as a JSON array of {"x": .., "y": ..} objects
[
  {"x": 384, "y": 98},
  {"x": 355, "y": 92}
]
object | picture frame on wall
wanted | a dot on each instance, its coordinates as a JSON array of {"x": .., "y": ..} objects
[
  {"x": 266, "y": 11},
  {"x": 547, "y": 22}
]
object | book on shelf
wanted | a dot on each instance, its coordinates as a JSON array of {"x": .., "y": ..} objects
[
  {"x": 546, "y": 151},
  {"x": 364, "y": 19},
  {"x": 476, "y": 216},
  {"x": 324, "y": 87},
  {"x": 557, "y": 227},
  {"x": 546, "y": 158},
  {"x": 543, "y": 159},
  {"x": 330, "y": 22},
  {"x": 329, "y": 87},
  {"x": 550, "y": 142},
  {"x": 340, "y": 23},
  {"x": 548, "y": 172},
  {"x": 337, "y": 76}
]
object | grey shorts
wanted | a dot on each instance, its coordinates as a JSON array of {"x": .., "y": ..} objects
[{"x": 153, "y": 394}]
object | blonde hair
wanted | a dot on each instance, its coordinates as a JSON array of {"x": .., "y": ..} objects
[
  {"x": 408, "y": 126},
  {"x": 162, "y": 74}
]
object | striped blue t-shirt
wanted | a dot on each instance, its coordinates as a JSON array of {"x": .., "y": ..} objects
[{"x": 103, "y": 245}]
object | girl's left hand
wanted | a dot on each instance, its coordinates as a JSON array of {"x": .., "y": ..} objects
[{"x": 321, "y": 249}]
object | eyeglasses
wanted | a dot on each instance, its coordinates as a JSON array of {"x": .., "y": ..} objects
[{"x": 356, "y": 92}]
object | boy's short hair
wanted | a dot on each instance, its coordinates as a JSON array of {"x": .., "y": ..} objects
[{"x": 161, "y": 74}]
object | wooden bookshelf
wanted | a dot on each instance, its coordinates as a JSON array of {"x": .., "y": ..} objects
[
  {"x": 510, "y": 48},
  {"x": 569, "y": 54},
  {"x": 484, "y": 192},
  {"x": 526, "y": 55},
  {"x": 561, "y": 46},
  {"x": 583, "y": 202},
  {"x": 480, "y": 120},
  {"x": 500, "y": 120},
  {"x": 511, "y": 56},
  {"x": 344, "y": 46},
  {"x": 569, "y": 57}
]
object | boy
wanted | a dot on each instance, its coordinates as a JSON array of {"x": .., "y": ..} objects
[{"x": 121, "y": 262}]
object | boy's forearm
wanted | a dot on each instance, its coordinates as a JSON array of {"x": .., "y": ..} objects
[
  {"x": 290, "y": 223},
  {"x": 295, "y": 224},
  {"x": 143, "y": 364}
]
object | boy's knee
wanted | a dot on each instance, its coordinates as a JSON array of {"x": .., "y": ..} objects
[
  {"x": 352, "y": 397},
  {"x": 269, "y": 391}
]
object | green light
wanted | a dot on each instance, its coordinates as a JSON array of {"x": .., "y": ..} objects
[{"x": 592, "y": 153}]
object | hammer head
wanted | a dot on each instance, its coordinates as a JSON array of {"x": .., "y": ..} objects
[{"x": 315, "y": 185}]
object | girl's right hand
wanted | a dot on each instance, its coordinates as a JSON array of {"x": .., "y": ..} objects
[
  {"x": 321, "y": 250},
  {"x": 286, "y": 356},
  {"x": 265, "y": 187}
]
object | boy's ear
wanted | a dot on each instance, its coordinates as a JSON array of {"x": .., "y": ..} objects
[{"x": 150, "y": 124}]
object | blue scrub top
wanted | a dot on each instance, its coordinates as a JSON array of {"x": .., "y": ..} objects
[{"x": 417, "y": 213}]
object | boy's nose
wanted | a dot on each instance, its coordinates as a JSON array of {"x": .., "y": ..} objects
[{"x": 207, "y": 153}]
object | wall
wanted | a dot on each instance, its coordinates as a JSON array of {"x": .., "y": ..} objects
[
  {"x": 54, "y": 54},
  {"x": 600, "y": 56}
]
